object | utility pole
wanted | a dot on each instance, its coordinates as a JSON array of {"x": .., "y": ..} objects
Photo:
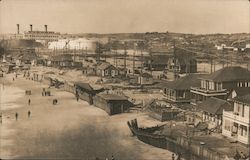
[
  {"x": 141, "y": 61},
  {"x": 175, "y": 74},
  {"x": 125, "y": 57},
  {"x": 151, "y": 59},
  {"x": 135, "y": 46},
  {"x": 223, "y": 57}
]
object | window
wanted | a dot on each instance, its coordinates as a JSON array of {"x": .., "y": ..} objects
[
  {"x": 211, "y": 85},
  {"x": 227, "y": 125}
]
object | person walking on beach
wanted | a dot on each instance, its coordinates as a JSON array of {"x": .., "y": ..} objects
[
  {"x": 29, "y": 113},
  {"x": 173, "y": 157},
  {"x": 29, "y": 101},
  {"x": 16, "y": 116},
  {"x": 1, "y": 118}
]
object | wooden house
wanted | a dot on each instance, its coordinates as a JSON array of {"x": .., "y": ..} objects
[
  {"x": 145, "y": 79},
  {"x": 62, "y": 60},
  {"x": 106, "y": 70},
  {"x": 220, "y": 83},
  {"x": 212, "y": 109},
  {"x": 112, "y": 103},
  {"x": 236, "y": 123},
  {"x": 182, "y": 63},
  {"x": 178, "y": 91},
  {"x": 86, "y": 92}
]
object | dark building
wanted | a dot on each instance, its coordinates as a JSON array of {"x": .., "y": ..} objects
[
  {"x": 156, "y": 62},
  {"x": 178, "y": 91},
  {"x": 86, "y": 92},
  {"x": 62, "y": 60},
  {"x": 212, "y": 109},
  {"x": 112, "y": 103},
  {"x": 182, "y": 63}
]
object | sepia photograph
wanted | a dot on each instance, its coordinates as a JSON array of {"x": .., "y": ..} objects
[{"x": 124, "y": 79}]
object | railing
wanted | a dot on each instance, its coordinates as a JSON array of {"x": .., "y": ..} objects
[
  {"x": 198, "y": 89},
  {"x": 236, "y": 117}
]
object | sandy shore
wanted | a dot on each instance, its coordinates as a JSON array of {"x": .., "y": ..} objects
[{"x": 69, "y": 130}]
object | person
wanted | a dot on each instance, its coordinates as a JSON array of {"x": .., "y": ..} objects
[
  {"x": 16, "y": 116},
  {"x": 173, "y": 157},
  {"x": 1, "y": 118},
  {"x": 29, "y": 113},
  {"x": 112, "y": 157},
  {"x": 77, "y": 98},
  {"x": 29, "y": 101},
  {"x": 13, "y": 79}
]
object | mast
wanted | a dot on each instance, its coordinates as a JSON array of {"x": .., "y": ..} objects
[
  {"x": 125, "y": 57},
  {"x": 175, "y": 74},
  {"x": 134, "y": 58}
]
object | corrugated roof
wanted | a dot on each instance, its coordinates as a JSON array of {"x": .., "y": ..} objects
[
  {"x": 184, "y": 83},
  {"x": 214, "y": 105},
  {"x": 228, "y": 74},
  {"x": 244, "y": 99}
]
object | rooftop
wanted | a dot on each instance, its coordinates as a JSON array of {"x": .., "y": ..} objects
[
  {"x": 104, "y": 65},
  {"x": 215, "y": 105},
  {"x": 112, "y": 97},
  {"x": 228, "y": 74},
  {"x": 244, "y": 99},
  {"x": 184, "y": 83}
]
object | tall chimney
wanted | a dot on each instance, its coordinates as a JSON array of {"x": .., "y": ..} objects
[
  {"x": 17, "y": 28},
  {"x": 46, "y": 26},
  {"x": 31, "y": 27}
]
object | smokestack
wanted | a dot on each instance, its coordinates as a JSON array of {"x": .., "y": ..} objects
[
  {"x": 17, "y": 28},
  {"x": 31, "y": 27},
  {"x": 46, "y": 26}
]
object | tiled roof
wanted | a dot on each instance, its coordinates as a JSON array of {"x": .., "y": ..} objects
[{"x": 228, "y": 74}]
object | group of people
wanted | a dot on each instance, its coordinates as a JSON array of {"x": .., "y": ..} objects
[
  {"x": 29, "y": 112},
  {"x": 16, "y": 115}
]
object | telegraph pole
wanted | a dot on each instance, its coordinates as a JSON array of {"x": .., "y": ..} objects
[
  {"x": 135, "y": 45},
  {"x": 125, "y": 57}
]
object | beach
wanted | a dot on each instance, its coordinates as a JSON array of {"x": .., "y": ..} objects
[{"x": 68, "y": 130}]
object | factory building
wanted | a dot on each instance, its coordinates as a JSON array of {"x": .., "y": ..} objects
[{"x": 41, "y": 35}]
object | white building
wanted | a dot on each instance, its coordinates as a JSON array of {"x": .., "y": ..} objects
[
  {"x": 42, "y": 35},
  {"x": 80, "y": 43},
  {"x": 236, "y": 123}
]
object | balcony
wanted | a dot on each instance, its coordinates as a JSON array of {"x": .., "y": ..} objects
[
  {"x": 206, "y": 92},
  {"x": 176, "y": 99},
  {"x": 235, "y": 117}
]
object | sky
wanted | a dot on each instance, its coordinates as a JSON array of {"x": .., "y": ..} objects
[{"x": 119, "y": 16}]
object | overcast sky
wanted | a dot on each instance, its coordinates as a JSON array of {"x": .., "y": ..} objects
[{"x": 116, "y": 16}]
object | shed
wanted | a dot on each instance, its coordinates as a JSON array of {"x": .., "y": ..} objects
[
  {"x": 86, "y": 92},
  {"x": 112, "y": 103}
]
